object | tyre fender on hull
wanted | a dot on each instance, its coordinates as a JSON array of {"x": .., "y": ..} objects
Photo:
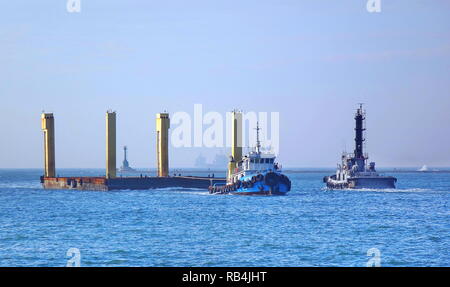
[
  {"x": 285, "y": 180},
  {"x": 260, "y": 177},
  {"x": 271, "y": 179}
]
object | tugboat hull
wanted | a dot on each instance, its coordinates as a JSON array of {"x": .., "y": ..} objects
[
  {"x": 376, "y": 183},
  {"x": 270, "y": 184},
  {"x": 260, "y": 193},
  {"x": 379, "y": 182},
  {"x": 262, "y": 189}
]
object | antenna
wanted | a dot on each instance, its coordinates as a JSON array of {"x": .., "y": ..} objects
[{"x": 258, "y": 143}]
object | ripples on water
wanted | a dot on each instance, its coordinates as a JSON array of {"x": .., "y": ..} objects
[{"x": 311, "y": 226}]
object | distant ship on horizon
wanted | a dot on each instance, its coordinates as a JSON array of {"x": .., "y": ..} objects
[
  {"x": 125, "y": 165},
  {"x": 220, "y": 160},
  {"x": 423, "y": 168}
]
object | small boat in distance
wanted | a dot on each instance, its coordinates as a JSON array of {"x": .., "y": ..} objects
[
  {"x": 256, "y": 173},
  {"x": 423, "y": 169}
]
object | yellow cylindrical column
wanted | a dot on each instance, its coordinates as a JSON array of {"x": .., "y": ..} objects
[
  {"x": 110, "y": 144},
  {"x": 236, "y": 141},
  {"x": 236, "y": 129},
  {"x": 231, "y": 168},
  {"x": 48, "y": 126},
  {"x": 162, "y": 144}
]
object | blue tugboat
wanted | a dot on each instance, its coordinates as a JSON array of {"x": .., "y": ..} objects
[
  {"x": 354, "y": 172},
  {"x": 256, "y": 174}
]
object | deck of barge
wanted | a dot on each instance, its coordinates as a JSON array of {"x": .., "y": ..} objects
[{"x": 124, "y": 183}]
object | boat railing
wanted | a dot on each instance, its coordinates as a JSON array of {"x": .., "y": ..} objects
[{"x": 352, "y": 155}]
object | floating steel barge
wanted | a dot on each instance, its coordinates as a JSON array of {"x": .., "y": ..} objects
[
  {"x": 111, "y": 181},
  {"x": 128, "y": 183}
]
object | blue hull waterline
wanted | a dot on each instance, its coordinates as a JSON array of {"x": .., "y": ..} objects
[
  {"x": 269, "y": 183},
  {"x": 380, "y": 182}
]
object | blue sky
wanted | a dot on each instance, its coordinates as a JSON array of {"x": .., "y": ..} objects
[{"x": 311, "y": 61}]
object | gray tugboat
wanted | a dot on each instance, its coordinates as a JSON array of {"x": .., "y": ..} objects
[{"x": 354, "y": 172}]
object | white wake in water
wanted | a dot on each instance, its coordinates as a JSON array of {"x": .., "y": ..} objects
[
  {"x": 390, "y": 189},
  {"x": 20, "y": 185},
  {"x": 382, "y": 189}
]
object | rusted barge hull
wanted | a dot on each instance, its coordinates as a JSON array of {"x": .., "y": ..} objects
[{"x": 124, "y": 183}]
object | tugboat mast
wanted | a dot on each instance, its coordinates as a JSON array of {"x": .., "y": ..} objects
[
  {"x": 359, "y": 131},
  {"x": 258, "y": 142}
]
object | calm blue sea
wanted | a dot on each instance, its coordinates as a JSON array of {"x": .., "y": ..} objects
[{"x": 311, "y": 226}]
